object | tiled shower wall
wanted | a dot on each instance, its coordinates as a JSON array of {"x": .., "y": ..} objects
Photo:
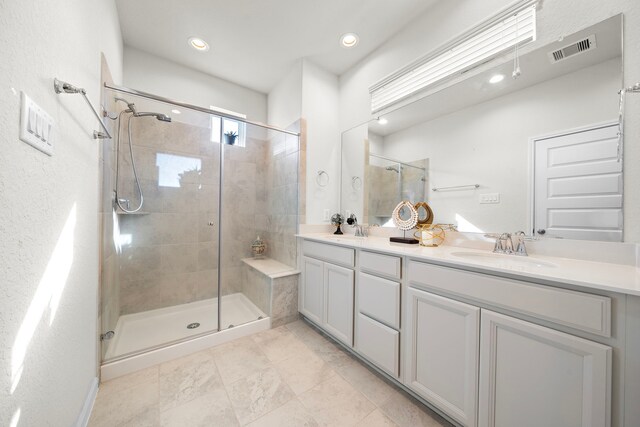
[
  {"x": 169, "y": 252},
  {"x": 109, "y": 307},
  {"x": 277, "y": 224}
]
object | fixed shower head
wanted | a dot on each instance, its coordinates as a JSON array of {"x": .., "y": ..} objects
[
  {"x": 392, "y": 168},
  {"x": 130, "y": 105},
  {"x": 159, "y": 116}
]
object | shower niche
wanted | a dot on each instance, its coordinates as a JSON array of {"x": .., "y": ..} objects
[{"x": 180, "y": 211}]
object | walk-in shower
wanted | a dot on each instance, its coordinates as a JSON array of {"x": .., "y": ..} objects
[{"x": 184, "y": 208}]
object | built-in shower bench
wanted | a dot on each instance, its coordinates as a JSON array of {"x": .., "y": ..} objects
[{"x": 273, "y": 287}]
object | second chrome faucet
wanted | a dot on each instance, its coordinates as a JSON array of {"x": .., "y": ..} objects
[{"x": 504, "y": 243}]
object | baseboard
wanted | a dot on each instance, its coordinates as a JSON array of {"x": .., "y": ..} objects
[{"x": 85, "y": 414}]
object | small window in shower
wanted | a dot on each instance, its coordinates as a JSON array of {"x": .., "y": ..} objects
[
  {"x": 228, "y": 125},
  {"x": 173, "y": 170}
]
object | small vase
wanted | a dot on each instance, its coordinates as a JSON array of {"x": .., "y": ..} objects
[{"x": 258, "y": 247}]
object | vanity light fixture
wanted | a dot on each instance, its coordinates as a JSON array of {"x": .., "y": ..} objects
[
  {"x": 174, "y": 111},
  {"x": 349, "y": 40},
  {"x": 496, "y": 78},
  {"x": 382, "y": 121},
  {"x": 198, "y": 44}
]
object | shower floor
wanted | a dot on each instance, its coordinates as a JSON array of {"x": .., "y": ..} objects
[{"x": 140, "y": 331}]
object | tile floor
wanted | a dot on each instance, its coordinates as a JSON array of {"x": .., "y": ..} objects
[{"x": 288, "y": 376}]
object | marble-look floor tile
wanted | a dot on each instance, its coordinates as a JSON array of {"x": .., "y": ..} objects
[
  {"x": 336, "y": 403},
  {"x": 184, "y": 379},
  {"x": 405, "y": 411},
  {"x": 258, "y": 394},
  {"x": 291, "y": 414},
  {"x": 136, "y": 405},
  {"x": 279, "y": 343},
  {"x": 371, "y": 384},
  {"x": 239, "y": 359},
  {"x": 304, "y": 371},
  {"x": 377, "y": 419},
  {"x": 300, "y": 327},
  {"x": 213, "y": 409},
  {"x": 134, "y": 379}
]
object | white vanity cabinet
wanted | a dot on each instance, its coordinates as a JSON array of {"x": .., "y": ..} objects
[
  {"x": 526, "y": 374},
  {"x": 378, "y": 310},
  {"x": 327, "y": 289},
  {"x": 485, "y": 350},
  {"x": 533, "y": 376},
  {"x": 442, "y": 338}
]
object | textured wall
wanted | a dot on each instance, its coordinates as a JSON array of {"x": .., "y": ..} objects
[
  {"x": 149, "y": 73},
  {"x": 49, "y": 228}
]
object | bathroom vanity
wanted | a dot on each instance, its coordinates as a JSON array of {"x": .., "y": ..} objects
[{"x": 485, "y": 339}]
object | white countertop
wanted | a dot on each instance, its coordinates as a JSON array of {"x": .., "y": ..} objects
[{"x": 623, "y": 279}]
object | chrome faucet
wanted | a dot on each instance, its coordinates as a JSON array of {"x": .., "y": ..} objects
[
  {"x": 504, "y": 243},
  {"x": 361, "y": 231}
]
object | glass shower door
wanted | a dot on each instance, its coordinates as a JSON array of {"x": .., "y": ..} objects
[{"x": 163, "y": 285}]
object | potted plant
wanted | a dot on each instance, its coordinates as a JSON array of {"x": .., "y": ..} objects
[{"x": 230, "y": 137}]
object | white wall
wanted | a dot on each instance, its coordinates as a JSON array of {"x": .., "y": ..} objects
[
  {"x": 320, "y": 109},
  {"x": 556, "y": 18},
  {"x": 285, "y": 99},
  {"x": 49, "y": 232},
  {"x": 488, "y": 144},
  {"x": 149, "y": 73}
]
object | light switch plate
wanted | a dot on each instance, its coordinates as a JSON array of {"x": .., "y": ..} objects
[
  {"x": 36, "y": 126},
  {"x": 490, "y": 198}
]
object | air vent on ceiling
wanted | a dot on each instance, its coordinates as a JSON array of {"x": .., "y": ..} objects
[{"x": 573, "y": 49}]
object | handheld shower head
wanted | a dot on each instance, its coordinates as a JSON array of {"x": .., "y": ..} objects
[{"x": 159, "y": 116}]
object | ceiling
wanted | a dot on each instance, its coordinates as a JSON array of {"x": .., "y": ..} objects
[{"x": 255, "y": 43}]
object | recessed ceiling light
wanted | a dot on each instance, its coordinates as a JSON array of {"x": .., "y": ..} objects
[
  {"x": 497, "y": 78},
  {"x": 382, "y": 120},
  {"x": 175, "y": 111},
  {"x": 349, "y": 39},
  {"x": 198, "y": 44}
]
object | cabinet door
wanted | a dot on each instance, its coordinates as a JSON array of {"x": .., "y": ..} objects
[
  {"x": 338, "y": 302},
  {"x": 535, "y": 376},
  {"x": 312, "y": 289},
  {"x": 442, "y": 353}
]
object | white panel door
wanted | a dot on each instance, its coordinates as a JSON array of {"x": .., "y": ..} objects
[
  {"x": 338, "y": 302},
  {"x": 443, "y": 337},
  {"x": 578, "y": 185},
  {"x": 532, "y": 376},
  {"x": 312, "y": 289}
]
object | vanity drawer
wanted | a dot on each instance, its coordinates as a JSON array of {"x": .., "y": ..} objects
[
  {"x": 385, "y": 265},
  {"x": 331, "y": 253},
  {"x": 578, "y": 310},
  {"x": 380, "y": 299},
  {"x": 379, "y": 344}
]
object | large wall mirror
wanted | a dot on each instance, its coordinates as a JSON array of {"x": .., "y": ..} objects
[{"x": 539, "y": 153}]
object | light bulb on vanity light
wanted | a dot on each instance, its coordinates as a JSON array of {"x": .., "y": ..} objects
[{"x": 382, "y": 121}]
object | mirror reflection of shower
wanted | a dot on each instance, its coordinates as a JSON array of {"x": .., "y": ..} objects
[{"x": 130, "y": 112}]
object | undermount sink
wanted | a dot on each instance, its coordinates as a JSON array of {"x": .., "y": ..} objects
[{"x": 505, "y": 260}]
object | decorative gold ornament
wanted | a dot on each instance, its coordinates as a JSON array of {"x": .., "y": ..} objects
[
  {"x": 428, "y": 218},
  {"x": 430, "y": 235}
]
